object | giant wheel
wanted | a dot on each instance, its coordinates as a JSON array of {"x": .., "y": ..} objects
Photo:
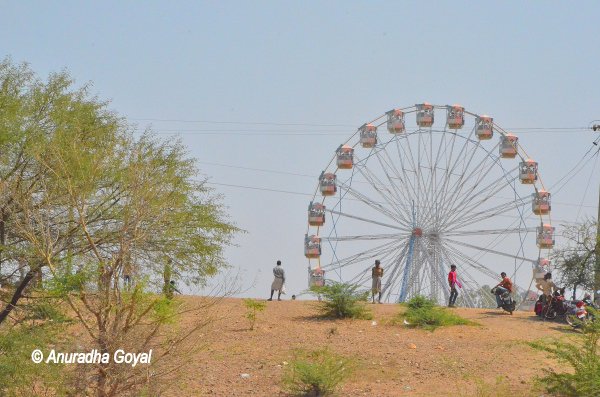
[{"x": 420, "y": 198}]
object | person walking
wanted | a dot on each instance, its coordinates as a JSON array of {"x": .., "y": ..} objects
[
  {"x": 453, "y": 282},
  {"x": 376, "y": 275},
  {"x": 278, "y": 281}
]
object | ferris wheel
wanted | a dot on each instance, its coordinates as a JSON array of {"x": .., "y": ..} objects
[{"x": 420, "y": 198}]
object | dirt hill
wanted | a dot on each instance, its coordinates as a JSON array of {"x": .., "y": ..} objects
[{"x": 394, "y": 360}]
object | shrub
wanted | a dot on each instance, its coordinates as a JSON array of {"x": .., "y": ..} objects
[
  {"x": 19, "y": 376},
  {"x": 419, "y": 302},
  {"x": 582, "y": 354},
  {"x": 253, "y": 307},
  {"x": 343, "y": 301},
  {"x": 423, "y": 313},
  {"x": 316, "y": 373}
]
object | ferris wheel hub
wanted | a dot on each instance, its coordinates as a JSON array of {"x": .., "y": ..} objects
[{"x": 417, "y": 232}]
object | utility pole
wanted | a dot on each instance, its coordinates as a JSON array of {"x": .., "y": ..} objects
[
  {"x": 597, "y": 265},
  {"x": 596, "y": 127}
]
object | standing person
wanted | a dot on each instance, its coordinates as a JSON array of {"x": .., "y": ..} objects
[
  {"x": 376, "y": 275},
  {"x": 168, "y": 283},
  {"x": 127, "y": 274},
  {"x": 453, "y": 282},
  {"x": 547, "y": 287},
  {"x": 502, "y": 287},
  {"x": 277, "y": 284}
]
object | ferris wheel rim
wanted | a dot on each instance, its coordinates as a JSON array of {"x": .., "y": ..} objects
[{"x": 401, "y": 218}]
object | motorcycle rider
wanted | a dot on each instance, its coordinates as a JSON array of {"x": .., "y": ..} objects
[
  {"x": 503, "y": 286},
  {"x": 547, "y": 287},
  {"x": 587, "y": 299}
]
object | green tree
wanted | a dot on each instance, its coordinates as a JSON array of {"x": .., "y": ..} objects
[
  {"x": 575, "y": 261},
  {"x": 83, "y": 198},
  {"x": 253, "y": 307}
]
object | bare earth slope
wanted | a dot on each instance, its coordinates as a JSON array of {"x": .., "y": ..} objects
[{"x": 448, "y": 361}]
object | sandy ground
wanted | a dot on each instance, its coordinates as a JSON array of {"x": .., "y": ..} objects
[{"x": 393, "y": 360}]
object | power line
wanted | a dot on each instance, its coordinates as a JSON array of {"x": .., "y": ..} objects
[
  {"x": 315, "y": 177},
  {"x": 286, "y": 133},
  {"x": 259, "y": 188},
  {"x": 242, "y": 122}
]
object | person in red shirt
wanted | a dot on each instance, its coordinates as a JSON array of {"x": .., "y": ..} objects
[
  {"x": 504, "y": 286},
  {"x": 453, "y": 282}
]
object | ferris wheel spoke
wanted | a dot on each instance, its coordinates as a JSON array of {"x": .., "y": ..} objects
[
  {"x": 401, "y": 194},
  {"x": 475, "y": 199},
  {"x": 394, "y": 200},
  {"x": 416, "y": 170},
  {"x": 462, "y": 214},
  {"x": 488, "y": 250},
  {"x": 381, "y": 188},
  {"x": 408, "y": 182},
  {"x": 451, "y": 199},
  {"x": 460, "y": 257},
  {"x": 451, "y": 164},
  {"x": 488, "y": 213},
  {"x": 428, "y": 215},
  {"x": 340, "y": 213},
  {"x": 396, "y": 263},
  {"x": 487, "y": 232},
  {"x": 364, "y": 237},
  {"x": 364, "y": 276},
  {"x": 361, "y": 256},
  {"x": 370, "y": 202},
  {"x": 451, "y": 259}
]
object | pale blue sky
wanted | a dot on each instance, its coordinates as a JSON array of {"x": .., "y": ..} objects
[{"x": 529, "y": 64}]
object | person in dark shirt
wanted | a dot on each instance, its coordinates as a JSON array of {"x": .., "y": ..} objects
[{"x": 377, "y": 276}]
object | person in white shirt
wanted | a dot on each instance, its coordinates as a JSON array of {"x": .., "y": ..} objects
[{"x": 278, "y": 281}]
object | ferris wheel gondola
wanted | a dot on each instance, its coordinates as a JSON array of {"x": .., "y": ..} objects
[{"x": 423, "y": 198}]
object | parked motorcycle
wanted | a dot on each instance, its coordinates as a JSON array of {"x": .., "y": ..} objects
[
  {"x": 558, "y": 306},
  {"x": 577, "y": 315},
  {"x": 506, "y": 301}
]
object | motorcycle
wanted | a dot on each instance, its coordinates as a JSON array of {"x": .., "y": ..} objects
[
  {"x": 558, "y": 306},
  {"x": 506, "y": 301},
  {"x": 577, "y": 315}
]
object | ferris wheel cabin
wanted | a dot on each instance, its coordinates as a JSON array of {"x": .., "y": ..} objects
[
  {"x": 508, "y": 146},
  {"x": 424, "y": 114},
  {"x": 528, "y": 171},
  {"x": 312, "y": 246},
  {"x": 395, "y": 121},
  {"x": 455, "y": 117},
  {"x": 540, "y": 203},
  {"x": 368, "y": 135},
  {"x": 316, "y": 214},
  {"x": 485, "y": 127},
  {"x": 327, "y": 184},
  {"x": 345, "y": 157},
  {"x": 545, "y": 236},
  {"x": 316, "y": 277}
]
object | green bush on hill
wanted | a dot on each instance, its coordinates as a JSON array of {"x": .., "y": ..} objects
[
  {"x": 343, "y": 301},
  {"x": 423, "y": 313},
  {"x": 582, "y": 354},
  {"x": 316, "y": 373}
]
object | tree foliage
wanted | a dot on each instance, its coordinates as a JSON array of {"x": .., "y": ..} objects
[
  {"x": 575, "y": 261},
  {"x": 581, "y": 355},
  {"x": 83, "y": 199}
]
